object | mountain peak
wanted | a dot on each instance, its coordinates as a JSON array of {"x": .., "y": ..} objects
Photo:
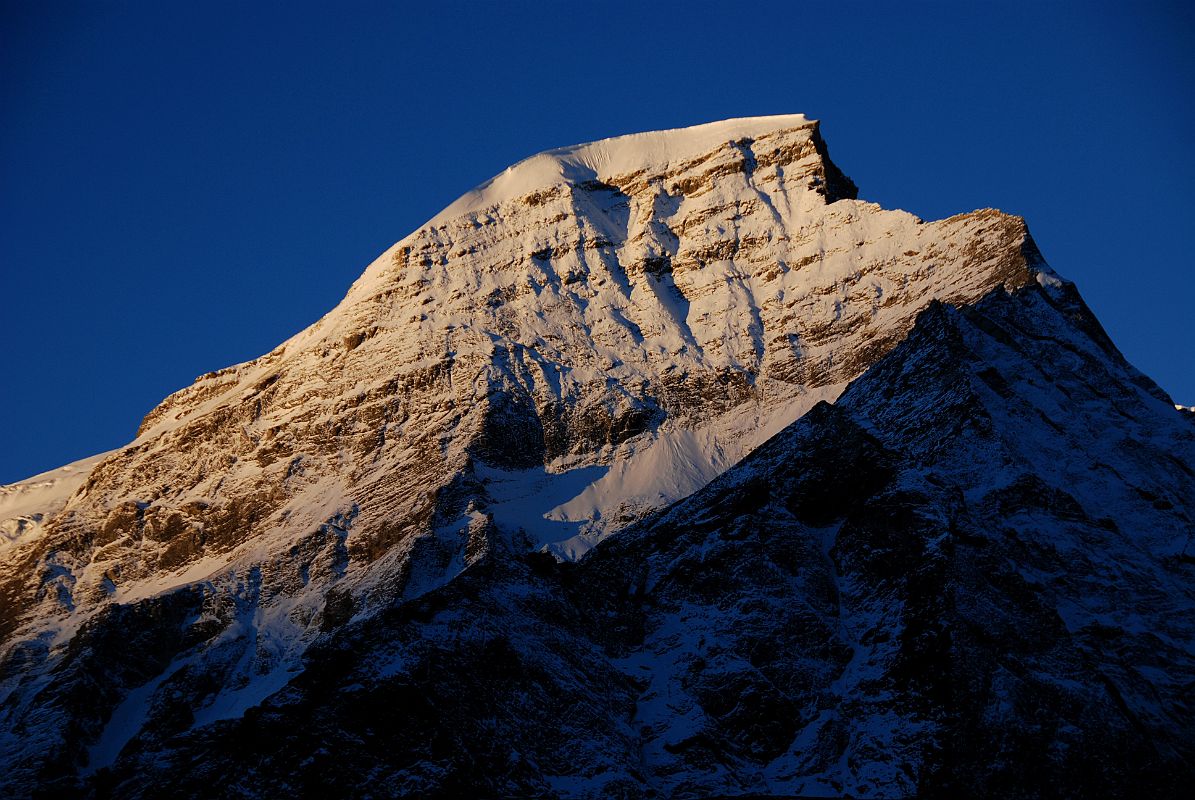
[
  {"x": 595, "y": 333},
  {"x": 635, "y": 153}
]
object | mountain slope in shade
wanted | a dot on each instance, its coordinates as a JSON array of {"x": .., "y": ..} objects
[
  {"x": 971, "y": 576},
  {"x": 588, "y": 337}
]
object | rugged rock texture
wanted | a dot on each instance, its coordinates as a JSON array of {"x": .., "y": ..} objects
[
  {"x": 944, "y": 585},
  {"x": 879, "y": 599}
]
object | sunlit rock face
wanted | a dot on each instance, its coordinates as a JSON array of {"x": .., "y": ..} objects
[{"x": 559, "y": 356}]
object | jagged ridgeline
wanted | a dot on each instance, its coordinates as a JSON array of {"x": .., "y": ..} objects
[{"x": 554, "y": 503}]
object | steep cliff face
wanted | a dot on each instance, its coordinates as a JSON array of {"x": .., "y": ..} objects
[{"x": 593, "y": 334}]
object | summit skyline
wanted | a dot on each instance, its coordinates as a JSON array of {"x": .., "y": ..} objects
[{"x": 184, "y": 188}]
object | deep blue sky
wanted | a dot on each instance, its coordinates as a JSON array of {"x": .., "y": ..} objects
[{"x": 185, "y": 185}]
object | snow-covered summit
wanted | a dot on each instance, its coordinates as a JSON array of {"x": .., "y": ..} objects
[{"x": 618, "y": 155}]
